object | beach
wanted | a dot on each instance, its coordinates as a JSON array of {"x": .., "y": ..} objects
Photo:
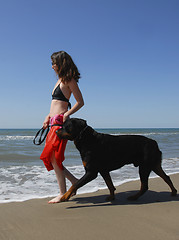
[
  {"x": 89, "y": 216},
  {"x": 26, "y": 188},
  {"x": 23, "y": 175}
]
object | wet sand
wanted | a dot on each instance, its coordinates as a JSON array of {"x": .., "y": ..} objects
[{"x": 87, "y": 216}]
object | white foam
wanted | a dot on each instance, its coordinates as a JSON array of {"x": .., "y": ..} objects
[
  {"x": 21, "y": 183},
  {"x": 13, "y": 138}
]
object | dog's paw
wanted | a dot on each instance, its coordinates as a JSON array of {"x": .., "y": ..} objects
[
  {"x": 174, "y": 193},
  {"x": 63, "y": 199},
  {"x": 110, "y": 198}
]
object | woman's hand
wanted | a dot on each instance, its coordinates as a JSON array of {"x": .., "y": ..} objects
[
  {"x": 46, "y": 122},
  {"x": 65, "y": 116}
]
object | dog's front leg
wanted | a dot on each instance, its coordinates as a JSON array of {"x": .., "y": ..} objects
[{"x": 89, "y": 176}]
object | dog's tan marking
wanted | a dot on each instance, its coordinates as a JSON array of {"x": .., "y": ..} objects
[
  {"x": 68, "y": 194},
  {"x": 63, "y": 135},
  {"x": 66, "y": 135},
  {"x": 84, "y": 163}
]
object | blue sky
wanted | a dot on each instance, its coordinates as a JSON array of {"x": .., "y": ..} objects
[{"x": 126, "y": 50}]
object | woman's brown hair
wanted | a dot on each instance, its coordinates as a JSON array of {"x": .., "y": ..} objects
[{"x": 66, "y": 67}]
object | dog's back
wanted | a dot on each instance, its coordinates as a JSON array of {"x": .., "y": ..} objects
[{"x": 114, "y": 151}]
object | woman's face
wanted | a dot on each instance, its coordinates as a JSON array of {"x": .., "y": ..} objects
[{"x": 55, "y": 67}]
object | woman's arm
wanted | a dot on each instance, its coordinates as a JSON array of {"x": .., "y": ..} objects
[{"x": 73, "y": 86}]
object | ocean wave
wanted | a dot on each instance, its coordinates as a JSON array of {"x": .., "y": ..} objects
[
  {"x": 24, "y": 182},
  {"x": 14, "y": 138},
  {"x": 146, "y": 134}
]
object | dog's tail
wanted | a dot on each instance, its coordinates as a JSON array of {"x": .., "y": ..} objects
[
  {"x": 158, "y": 155},
  {"x": 155, "y": 154}
]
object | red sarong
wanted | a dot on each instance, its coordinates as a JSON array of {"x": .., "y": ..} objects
[{"x": 54, "y": 144}]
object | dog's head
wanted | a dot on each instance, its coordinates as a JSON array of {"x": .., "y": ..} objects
[{"x": 71, "y": 128}]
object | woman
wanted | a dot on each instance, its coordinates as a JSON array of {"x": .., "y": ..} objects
[{"x": 53, "y": 153}]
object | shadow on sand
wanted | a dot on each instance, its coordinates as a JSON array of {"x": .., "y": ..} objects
[{"x": 121, "y": 199}]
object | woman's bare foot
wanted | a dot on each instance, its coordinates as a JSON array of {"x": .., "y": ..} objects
[{"x": 56, "y": 199}]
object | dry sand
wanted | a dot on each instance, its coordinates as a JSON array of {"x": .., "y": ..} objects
[{"x": 154, "y": 216}]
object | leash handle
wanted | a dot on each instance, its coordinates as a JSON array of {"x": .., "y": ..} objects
[{"x": 41, "y": 132}]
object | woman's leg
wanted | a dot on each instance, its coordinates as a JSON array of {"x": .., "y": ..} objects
[
  {"x": 60, "y": 175},
  {"x": 70, "y": 176}
]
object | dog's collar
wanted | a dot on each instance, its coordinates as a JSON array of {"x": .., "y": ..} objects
[{"x": 80, "y": 134}]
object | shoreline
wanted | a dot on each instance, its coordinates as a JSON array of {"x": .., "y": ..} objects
[
  {"x": 153, "y": 216},
  {"x": 88, "y": 192}
]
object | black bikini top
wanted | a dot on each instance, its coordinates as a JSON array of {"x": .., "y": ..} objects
[{"x": 58, "y": 95}]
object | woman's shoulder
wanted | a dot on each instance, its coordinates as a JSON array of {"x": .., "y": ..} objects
[{"x": 72, "y": 82}]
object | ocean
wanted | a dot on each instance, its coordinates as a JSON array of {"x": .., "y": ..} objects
[{"x": 23, "y": 175}]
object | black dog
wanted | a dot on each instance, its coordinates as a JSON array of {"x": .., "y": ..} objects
[{"x": 102, "y": 153}]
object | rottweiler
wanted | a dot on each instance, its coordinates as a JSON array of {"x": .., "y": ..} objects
[{"x": 102, "y": 153}]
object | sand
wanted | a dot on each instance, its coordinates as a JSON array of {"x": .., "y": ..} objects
[{"x": 154, "y": 216}]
